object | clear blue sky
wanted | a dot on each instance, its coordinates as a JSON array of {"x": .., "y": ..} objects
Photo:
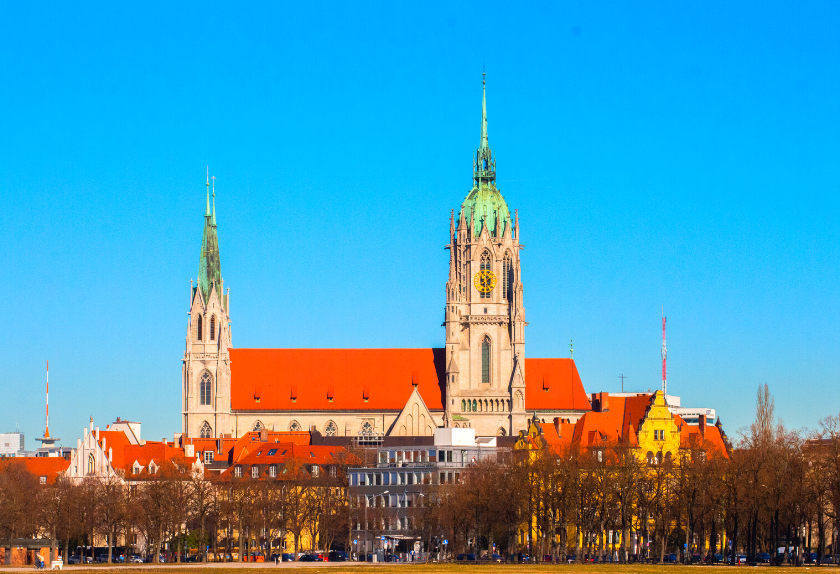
[{"x": 685, "y": 155}]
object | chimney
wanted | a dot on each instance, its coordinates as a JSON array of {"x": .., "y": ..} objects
[
  {"x": 189, "y": 451},
  {"x": 97, "y": 434},
  {"x": 111, "y": 455},
  {"x": 702, "y": 421},
  {"x": 263, "y": 434},
  {"x": 605, "y": 402}
]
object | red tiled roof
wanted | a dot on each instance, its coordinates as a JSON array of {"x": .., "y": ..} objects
[
  {"x": 554, "y": 384},
  {"x": 117, "y": 441},
  {"x": 375, "y": 380},
  {"x": 48, "y": 466},
  {"x": 282, "y": 454}
]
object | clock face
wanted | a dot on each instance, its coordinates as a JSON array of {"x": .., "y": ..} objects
[{"x": 484, "y": 281}]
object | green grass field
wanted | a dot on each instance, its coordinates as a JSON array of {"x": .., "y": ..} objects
[{"x": 427, "y": 568}]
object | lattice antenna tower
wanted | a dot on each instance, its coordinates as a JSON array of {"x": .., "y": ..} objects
[{"x": 664, "y": 359}]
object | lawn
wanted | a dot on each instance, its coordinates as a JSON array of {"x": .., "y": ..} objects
[{"x": 420, "y": 569}]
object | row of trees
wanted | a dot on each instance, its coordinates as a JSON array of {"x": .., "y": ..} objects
[
  {"x": 174, "y": 510},
  {"x": 776, "y": 488}
]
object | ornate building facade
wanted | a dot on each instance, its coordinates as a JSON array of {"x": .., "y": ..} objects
[{"x": 477, "y": 380}]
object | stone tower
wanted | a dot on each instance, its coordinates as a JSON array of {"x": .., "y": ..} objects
[
  {"x": 205, "y": 374},
  {"x": 485, "y": 316}
]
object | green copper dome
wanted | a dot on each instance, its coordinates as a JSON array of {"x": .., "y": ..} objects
[{"x": 488, "y": 205}]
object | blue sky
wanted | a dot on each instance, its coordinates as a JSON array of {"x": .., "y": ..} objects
[{"x": 681, "y": 155}]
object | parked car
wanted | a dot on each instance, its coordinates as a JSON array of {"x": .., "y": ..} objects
[
  {"x": 287, "y": 557},
  {"x": 669, "y": 559},
  {"x": 496, "y": 558},
  {"x": 74, "y": 559},
  {"x": 337, "y": 556},
  {"x": 740, "y": 559},
  {"x": 100, "y": 558},
  {"x": 310, "y": 558},
  {"x": 135, "y": 559},
  {"x": 392, "y": 558},
  {"x": 763, "y": 557}
]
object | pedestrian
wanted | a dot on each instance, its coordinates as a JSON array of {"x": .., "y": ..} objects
[{"x": 40, "y": 561}]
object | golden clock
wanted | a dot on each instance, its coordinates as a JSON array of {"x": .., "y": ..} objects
[{"x": 484, "y": 281}]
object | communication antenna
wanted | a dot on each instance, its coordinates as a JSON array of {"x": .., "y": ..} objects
[
  {"x": 572, "y": 348},
  {"x": 48, "y": 441},
  {"x": 664, "y": 356},
  {"x": 622, "y": 377}
]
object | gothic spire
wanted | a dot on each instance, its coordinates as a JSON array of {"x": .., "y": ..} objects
[
  {"x": 484, "y": 166},
  {"x": 209, "y": 265}
]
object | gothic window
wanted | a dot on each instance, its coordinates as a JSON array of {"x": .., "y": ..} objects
[
  {"x": 474, "y": 406},
  {"x": 517, "y": 402},
  {"x": 507, "y": 277},
  {"x": 258, "y": 426},
  {"x": 367, "y": 428},
  {"x": 206, "y": 383},
  {"x": 330, "y": 429},
  {"x": 213, "y": 328},
  {"x": 206, "y": 431},
  {"x": 485, "y": 360},
  {"x": 463, "y": 405},
  {"x": 485, "y": 266},
  {"x": 198, "y": 328},
  {"x": 91, "y": 464},
  {"x": 294, "y": 426}
]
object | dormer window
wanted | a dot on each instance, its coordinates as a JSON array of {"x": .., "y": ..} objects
[
  {"x": 208, "y": 456},
  {"x": 237, "y": 471},
  {"x": 135, "y": 469}
]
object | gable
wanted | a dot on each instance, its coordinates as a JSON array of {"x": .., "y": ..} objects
[{"x": 414, "y": 419}]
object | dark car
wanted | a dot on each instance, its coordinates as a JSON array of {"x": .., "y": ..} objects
[
  {"x": 391, "y": 558},
  {"x": 288, "y": 557},
  {"x": 763, "y": 557},
  {"x": 337, "y": 556},
  {"x": 310, "y": 558},
  {"x": 670, "y": 559},
  {"x": 461, "y": 557},
  {"x": 496, "y": 558},
  {"x": 828, "y": 559}
]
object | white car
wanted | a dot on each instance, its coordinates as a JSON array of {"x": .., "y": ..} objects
[{"x": 135, "y": 559}]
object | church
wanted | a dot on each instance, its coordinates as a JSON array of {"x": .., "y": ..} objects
[{"x": 480, "y": 378}]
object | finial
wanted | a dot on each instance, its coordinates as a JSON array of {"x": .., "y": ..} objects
[
  {"x": 214, "y": 200},
  {"x": 484, "y": 142},
  {"x": 207, "y": 211},
  {"x": 572, "y": 348}
]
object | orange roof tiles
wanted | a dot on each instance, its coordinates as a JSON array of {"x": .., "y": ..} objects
[
  {"x": 47, "y": 466},
  {"x": 375, "y": 379},
  {"x": 116, "y": 441},
  {"x": 554, "y": 384}
]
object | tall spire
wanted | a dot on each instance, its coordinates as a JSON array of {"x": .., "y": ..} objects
[
  {"x": 484, "y": 166},
  {"x": 207, "y": 211},
  {"x": 484, "y": 143},
  {"x": 214, "y": 201},
  {"x": 209, "y": 265}
]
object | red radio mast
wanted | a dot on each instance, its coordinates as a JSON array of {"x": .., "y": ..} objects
[{"x": 664, "y": 355}]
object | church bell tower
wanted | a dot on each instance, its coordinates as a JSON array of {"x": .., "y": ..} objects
[
  {"x": 205, "y": 373},
  {"x": 485, "y": 316}
]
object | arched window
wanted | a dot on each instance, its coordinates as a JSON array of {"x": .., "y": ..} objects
[
  {"x": 198, "y": 328},
  {"x": 91, "y": 466},
  {"x": 463, "y": 405},
  {"x": 258, "y": 426},
  {"x": 367, "y": 428},
  {"x": 474, "y": 406},
  {"x": 469, "y": 406},
  {"x": 507, "y": 277},
  {"x": 649, "y": 458},
  {"x": 213, "y": 328},
  {"x": 485, "y": 266},
  {"x": 485, "y": 360},
  {"x": 294, "y": 426},
  {"x": 331, "y": 429},
  {"x": 206, "y": 431},
  {"x": 205, "y": 388}
]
